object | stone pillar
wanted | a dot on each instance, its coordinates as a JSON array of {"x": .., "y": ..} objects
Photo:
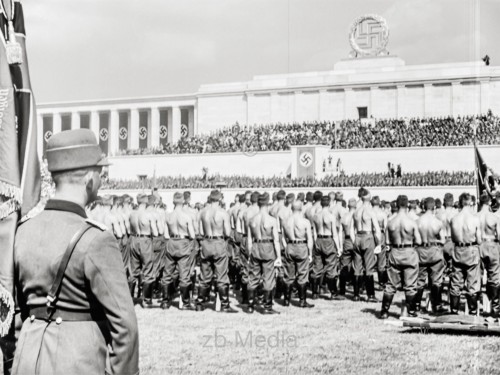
[
  {"x": 400, "y": 101},
  {"x": 456, "y": 98},
  {"x": 427, "y": 99},
  {"x": 485, "y": 96},
  {"x": 56, "y": 124},
  {"x": 349, "y": 104},
  {"x": 176, "y": 124},
  {"x": 114, "y": 140},
  {"x": 155, "y": 127},
  {"x": 134, "y": 129},
  {"x": 373, "y": 108},
  {"x": 75, "y": 120},
  {"x": 297, "y": 112},
  {"x": 191, "y": 121},
  {"x": 195, "y": 119},
  {"x": 169, "y": 127},
  {"x": 94, "y": 123},
  {"x": 39, "y": 142}
]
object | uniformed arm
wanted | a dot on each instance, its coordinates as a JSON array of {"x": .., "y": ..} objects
[
  {"x": 385, "y": 228},
  {"x": 335, "y": 235},
  {"x": 127, "y": 225},
  {"x": 416, "y": 234},
  {"x": 160, "y": 223},
  {"x": 117, "y": 230},
  {"x": 276, "y": 240},
  {"x": 376, "y": 229},
  {"x": 226, "y": 223},
  {"x": 190, "y": 228},
  {"x": 153, "y": 223},
  {"x": 121, "y": 220},
  {"x": 201, "y": 232},
  {"x": 310, "y": 240},
  {"x": 166, "y": 231},
  {"x": 479, "y": 232},
  {"x": 442, "y": 234},
  {"x": 239, "y": 226},
  {"x": 498, "y": 229},
  {"x": 314, "y": 231},
  {"x": 352, "y": 233},
  {"x": 103, "y": 267},
  {"x": 341, "y": 237},
  {"x": 249, "y": 241}
]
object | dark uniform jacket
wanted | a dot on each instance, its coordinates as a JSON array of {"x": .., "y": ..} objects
[{"x": 94, "y": 282}]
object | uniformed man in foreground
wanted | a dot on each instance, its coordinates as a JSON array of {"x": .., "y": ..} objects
[
  {"x": 215, "y": 227},
  {"x": 490, "y": 252},
  {"x": 403, "y": 259},
  {"x": 298, "y": 254},
  {"x": 80, "y": 320},
  {"x": 264, "y": 254},
  {"x": 347, "y": 258},
  {"x": 431, "y": 259},
  {"x": 466, "y": 268}
]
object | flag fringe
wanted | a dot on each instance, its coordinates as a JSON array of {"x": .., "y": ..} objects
[
  {"x": 11, "y": 191},
  {"x": 7, "y": 303}
]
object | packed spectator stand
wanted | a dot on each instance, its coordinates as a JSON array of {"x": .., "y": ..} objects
[
  {"x": 435, "y": 178},
  {"x": 346, "y": 134}
]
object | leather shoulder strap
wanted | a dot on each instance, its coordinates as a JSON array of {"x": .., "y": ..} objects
[{"x": 56, "y": 286}]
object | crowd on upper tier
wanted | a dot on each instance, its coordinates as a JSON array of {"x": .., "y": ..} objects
[
  {"x": 345, "y": 134},
  {"x": 439, "y": 178}
]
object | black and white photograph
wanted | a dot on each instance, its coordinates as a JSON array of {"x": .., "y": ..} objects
[{"x": 249, "y": 187}]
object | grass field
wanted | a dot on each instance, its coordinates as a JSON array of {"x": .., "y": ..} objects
[{"x": 341, "y": 337}]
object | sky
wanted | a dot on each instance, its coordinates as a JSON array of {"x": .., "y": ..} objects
[{"x": 99, "y": 49}]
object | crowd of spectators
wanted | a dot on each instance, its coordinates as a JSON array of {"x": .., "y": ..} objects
[
  {"x": 346, "y": 134},
  {"x": 440, "y": 178}
]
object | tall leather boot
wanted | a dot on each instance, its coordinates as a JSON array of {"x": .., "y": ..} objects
[
  {"x": 411, "y": 300},
  {"x": 166, "y": 301},
  {"x": 186, "y": 298},
  {"x": 332, "y": 287},
  {"x": 279, "y": 287},
  {"x": 386, "y": 305},
  {"x": 131, "y": 287},
  {"x": 437, "y": 301},
  {"x": 244, "y": 294},
  {"x": 287, "y": 294},
  {"x": 370, "y": 289},
  {"x": 203, "y": 296},
  {"x": 355, "y": 285},
  {"x": 303, "y": 297},
  {"x": 251, "y": 301},
  {"x": 224, "y": 300},
  {"x": 472, "y": 303},
  {"x": 268, "y": 303},
  {"x": 495, "y": 301},
  {"x": 237, "y": 284},
  {"x": 418, "y": 299},
  {"x": 342, "y": 282},
  {"x": 454, "y": 304},
  {"x": 193, "y": 284},
  {"x": 147, "y": 290},
  {"x": 315, "y": 288}
]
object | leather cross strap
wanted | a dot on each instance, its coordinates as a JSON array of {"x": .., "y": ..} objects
[{"x": 56, "y": 286}]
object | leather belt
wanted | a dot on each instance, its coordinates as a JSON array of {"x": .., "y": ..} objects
[
  {"x": 50, "y": 314},
  {"x": 401, "y": 246},
  {"x": 178, "y": 237},
  {"x": 213, "y": 237},
  {"x": 297, "y": 241},
  {"x": 347, "y": 237},
  {"x": 267, "y": 240},
  {"x": 429, "y": 244},
  {"x": 325, "y": 236},
  {"x": 463, "y": 244},
  {"x": 490, "y": 240},
  {"x": 363, "y": 232},
  {"x": 143, "y": 235}
]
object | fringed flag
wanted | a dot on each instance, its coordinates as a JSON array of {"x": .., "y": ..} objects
[{"x": 19, "y": 164}]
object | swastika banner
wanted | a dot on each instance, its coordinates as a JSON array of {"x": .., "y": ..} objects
[
  {"x": 305, "y": 162},
  {"x": 143, "y": 129},
  {"x": 123, "y": 130},
  {"x": 104, "y": 132}
]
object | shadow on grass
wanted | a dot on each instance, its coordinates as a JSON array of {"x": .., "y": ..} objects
[
  {"x": 376, "y": 312},
  {"x": 450, "y": 332}
]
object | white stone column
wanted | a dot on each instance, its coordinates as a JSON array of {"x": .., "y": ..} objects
[
  {"x": 176, "y": 124},
  {"x": 56, "y": 123},
  {"x": 114, "y": 140},
  {"x": 485, "y": 96},
  {"x": 456, "y": 98},
  {"x": 427, "y": 99},
  {"x": 155, "y": 127},
  {"x": 134, "y": 129},
  {"x": 75, "y": 120},
  {"x": 400, "y": 101},
  {"x": 349, "y": 104},
  {"x": 169, "y": 127},
  {"x": 297, "y": 112},
  {"x": 94, "y": 123},
  {"x": 190, "y": 121},
  {"x": 40, "y": 135},
  {"x": 195, "y": 119}
]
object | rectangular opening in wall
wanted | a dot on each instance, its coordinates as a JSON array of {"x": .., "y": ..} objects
[{"x": 362, "y": 112}]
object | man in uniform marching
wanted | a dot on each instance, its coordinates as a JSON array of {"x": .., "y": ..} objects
[{"x": 72, "y": 289}]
